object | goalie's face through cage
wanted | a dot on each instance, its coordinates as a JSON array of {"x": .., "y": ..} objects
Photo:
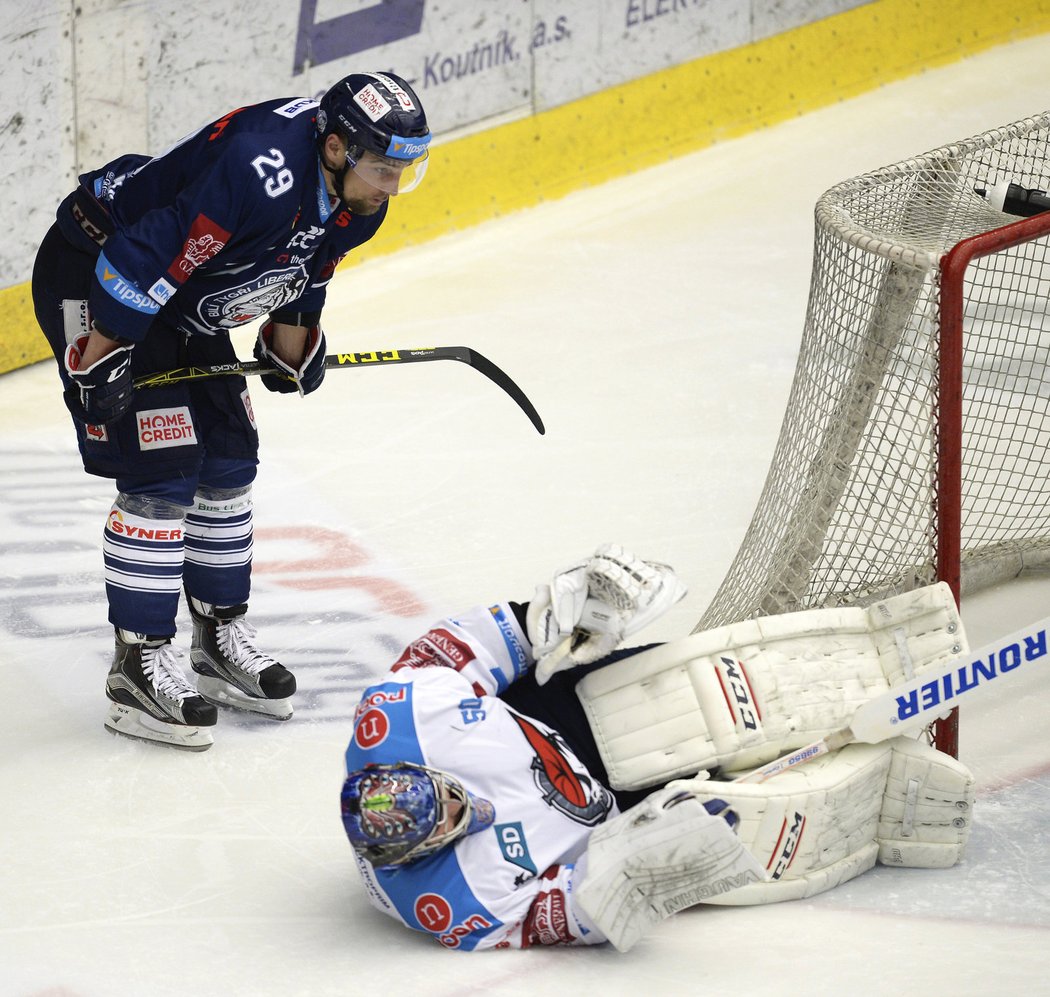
[{"x": 394, "y": 814}]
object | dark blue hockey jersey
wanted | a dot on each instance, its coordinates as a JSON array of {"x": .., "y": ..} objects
[{"x": 230, "y": 224}]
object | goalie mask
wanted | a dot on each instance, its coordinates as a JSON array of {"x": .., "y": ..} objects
[
  {"x": 383, "y": 122},
  {"x": 394, "y": 814}
]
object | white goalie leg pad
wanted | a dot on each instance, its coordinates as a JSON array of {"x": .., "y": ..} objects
[
  {"x": 744, "y": 694},
  {"x": 661, "y": 856},
  {"x": 927, "y": 809},
  {"x": 821, "y": 824},
  {"x": 811, "y": 827}
]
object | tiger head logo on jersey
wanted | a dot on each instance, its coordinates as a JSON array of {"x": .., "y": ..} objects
[
  {"x": 569, "y": 790},
  {"x": 232, "y": 307}
]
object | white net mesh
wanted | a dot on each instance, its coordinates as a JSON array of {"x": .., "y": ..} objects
[{"x": 849, "y": 513}]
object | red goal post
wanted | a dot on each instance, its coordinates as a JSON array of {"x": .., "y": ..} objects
[
  {"x": 916, "y": 442},
  {"x": 950, "y": 411}
]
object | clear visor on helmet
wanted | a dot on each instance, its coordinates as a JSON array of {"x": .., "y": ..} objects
[{"x": 387, "y": 173}]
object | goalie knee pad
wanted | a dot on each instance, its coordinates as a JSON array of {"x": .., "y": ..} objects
[
  {"x": 823, "y": 823},
  {"x": 743, "y": 694}
]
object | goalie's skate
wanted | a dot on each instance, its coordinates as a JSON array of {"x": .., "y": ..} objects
[
  {"x": 151, "y": 698},
  {"x": 231, "y": 670}
]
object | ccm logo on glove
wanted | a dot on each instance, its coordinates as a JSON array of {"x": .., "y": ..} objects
[{"x": 101, "y": 393}]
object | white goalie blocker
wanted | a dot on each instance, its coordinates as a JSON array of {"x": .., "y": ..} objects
[{"x": 741, "y": 695}]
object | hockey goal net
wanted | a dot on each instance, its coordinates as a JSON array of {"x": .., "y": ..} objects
[{"x": 916, "y": 443}]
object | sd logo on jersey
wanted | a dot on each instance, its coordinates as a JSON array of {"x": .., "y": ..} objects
[{"x": 515, "y": 848}]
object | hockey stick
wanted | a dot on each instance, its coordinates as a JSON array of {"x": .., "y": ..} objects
[
  {"x": 918, "y": 702},
  {"x": 376, "y": 358}
]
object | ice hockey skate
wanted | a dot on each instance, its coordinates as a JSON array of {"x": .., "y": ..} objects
[
  {"x": 151, "y": 698},
  {"x": 231, "y": 670}
]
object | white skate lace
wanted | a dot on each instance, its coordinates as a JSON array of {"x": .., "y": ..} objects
[
  {"x": 235, "y": 640},
  {"x": 161, "y": 666}
]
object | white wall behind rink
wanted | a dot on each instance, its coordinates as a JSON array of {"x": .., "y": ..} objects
[{"x": 82, "y": 82}]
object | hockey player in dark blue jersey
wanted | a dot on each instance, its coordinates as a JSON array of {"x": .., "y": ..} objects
[{"x": 150, "y": 263}]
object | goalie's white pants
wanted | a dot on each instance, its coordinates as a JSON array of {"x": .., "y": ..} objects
[
  {"x": 744, "y": 694},
  {"x": 901, "y": 803}
]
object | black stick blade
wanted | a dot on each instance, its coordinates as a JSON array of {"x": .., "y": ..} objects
[{"x": 374, "y": 358}]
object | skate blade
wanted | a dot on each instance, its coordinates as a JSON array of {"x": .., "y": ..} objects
[
  {"x": 221, "y": 693},
  {"x": 132, "y": 723}
]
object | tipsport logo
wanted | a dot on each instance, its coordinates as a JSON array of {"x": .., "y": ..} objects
[
  {"x": 407, "y": 148},
  {"x": 123, "y": 290}
]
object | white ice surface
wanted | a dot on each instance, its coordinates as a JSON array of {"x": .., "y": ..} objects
[{"x": 654, "y": 322}]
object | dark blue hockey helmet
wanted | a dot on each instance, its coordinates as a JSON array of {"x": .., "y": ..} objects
[
  {"x": 394, "y": 814},
  {"x": 381, "y": 119}
]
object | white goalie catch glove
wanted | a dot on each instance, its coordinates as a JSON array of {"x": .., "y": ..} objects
[{"x": 588, "y": 609}]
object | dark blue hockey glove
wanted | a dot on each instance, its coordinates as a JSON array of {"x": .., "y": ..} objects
[
  {"x": 304, "y": 379},
  {"x": 103, "y": 392}
]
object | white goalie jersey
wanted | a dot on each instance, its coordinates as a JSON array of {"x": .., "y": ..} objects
[{"x": 512, "y": 885}]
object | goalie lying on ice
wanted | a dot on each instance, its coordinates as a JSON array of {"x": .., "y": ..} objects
[{"x": 515, "y": 781}]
